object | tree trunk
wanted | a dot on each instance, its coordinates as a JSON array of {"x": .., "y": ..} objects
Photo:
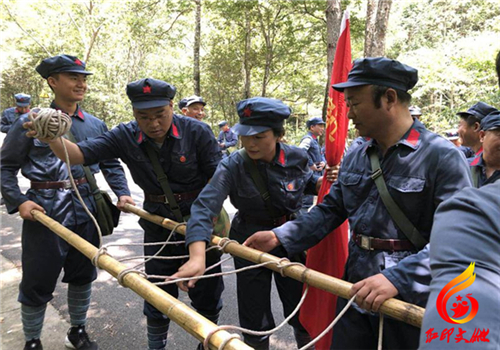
[
  {"x": 377, "y": 19},
  {"x": 246, "y": 63},
  {"x": 196, "y": 63},
  {"x": 333, "y": 21}
]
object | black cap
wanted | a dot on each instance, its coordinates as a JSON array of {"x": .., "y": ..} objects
[
  {"x": 60, "y": 64},
  {"x": 182, "y": 103},
  {"x": 380, "y": 71},
  {"x": 258, "y": 114},
  {"x": 479, "y": 110},
  {"x": 491, "y": 121},
  {"x": 222, "y": 123},
  {"x": 150, "y": 93},
  {"x": 314, "y": 121},
  {"x": 451, "y": 135}
]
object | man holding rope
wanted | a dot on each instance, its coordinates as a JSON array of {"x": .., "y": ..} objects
[
  {"x": 160, "y": 146},
  {"x": 44, "y": 253},
  {"x": 383, "y": 261}
]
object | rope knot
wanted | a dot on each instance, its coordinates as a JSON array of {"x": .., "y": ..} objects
[{"x": 49, "y": 123}]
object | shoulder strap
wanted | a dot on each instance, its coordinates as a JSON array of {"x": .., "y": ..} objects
[
  {"x": 259, "y": 182},
  {"x": 396, "y": 213},
  {"x": 163, "y": 180},
  {"x": 88, "y": 174},
  {"x": 476, "y": 172}
]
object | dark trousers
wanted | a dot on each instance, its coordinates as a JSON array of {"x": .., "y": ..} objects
[
  {"x": 359, "y": 331},
  {"x": 205, "y": 296},
  {"x": 254, "y": 299},
  {"x": 45, "y": 254}
]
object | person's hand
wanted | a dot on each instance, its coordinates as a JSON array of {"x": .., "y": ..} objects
[
  {"x": 321, "y": 166},
  {"x": 265, "y": 241},
  {"x": 373, "y": 291},
  {"x": 124, "y": 200},
  {"x": 195, "y": 266},
  {"x": 332, "y": 173},
  {"x": 32, "y": 133},
  {"x": 26, "y": 208},
  {"x": 222, "y": 145}
]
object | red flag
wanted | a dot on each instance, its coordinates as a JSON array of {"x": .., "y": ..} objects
[{"x": 330, "y": 255}]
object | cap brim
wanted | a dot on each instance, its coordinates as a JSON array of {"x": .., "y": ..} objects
[
  {"x": 192, "y": 103},
  {"x": 341, "y": 86},
  {"x": 25, "y": 104},
  {"x": 249, "y": 130},
  {"x": 150, "y": 104},
  {"x": 453, "y": 138},
  {"x": 75, "y": 71}
]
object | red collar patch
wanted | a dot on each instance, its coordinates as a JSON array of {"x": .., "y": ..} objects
[
  {"x": 80, "y": 113},
  {"x": 140, "y": 137},
  {"x": 479, "y": 151},
  {"x": 175, "y": 132},
  {"x": 281, "y": 158},
  {"x": 146, "y": 89},
  {"x": 413, "y": 137},
  {"x": 475, "y": 161}
]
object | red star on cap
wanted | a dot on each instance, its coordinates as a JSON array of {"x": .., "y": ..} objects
[
  {"x": 146, "y": 89},
  {"x": 247, "y": 112},
  {"x": 78, "y": 62}
]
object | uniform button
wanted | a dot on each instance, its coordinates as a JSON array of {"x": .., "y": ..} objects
[{"x": 363, "y": 227}]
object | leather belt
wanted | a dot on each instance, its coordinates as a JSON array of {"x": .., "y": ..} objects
[
  {"x": 372, "y": 243},
  {"x": 274, "y": 222},
  {"x": 65, "y": 184},
  {"x": 179, "y": 197}
]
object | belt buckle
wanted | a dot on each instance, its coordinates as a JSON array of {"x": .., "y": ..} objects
[
  {"x": 366, "y": 243},
  {"x": 166, "y": 200},
  {"x": 66, "y": 184}
]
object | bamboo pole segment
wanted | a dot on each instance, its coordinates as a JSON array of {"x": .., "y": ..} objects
[
  {"x": 194, "y": 323},
  {"x": 400, "y": 310}
]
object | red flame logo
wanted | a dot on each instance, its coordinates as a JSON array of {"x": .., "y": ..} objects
[{"x": 460, "y": 308}]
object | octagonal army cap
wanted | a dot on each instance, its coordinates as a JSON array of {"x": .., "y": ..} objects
[
  {"x": 380, "y": 71},
  {"x": 479, "y": 110},
  {"x": 491, "y": 121},
  {"x": 258, "y": 114},
  {"x": 61, "y": 64},
  {"x": 22, "y": 100},
  {"x": 150, "y": 93}
]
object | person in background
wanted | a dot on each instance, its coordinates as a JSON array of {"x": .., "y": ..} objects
[
  {"x": 315, "y": 129},
  {"x": 182, "y": 104},
  {"x": 415, "y": 112},
  {"x": 227, "y": 138},
  {"x": 470, "y": 124},
  {"x": 452, "y": 136},
  {"x": 10, "y": 115},
  {"x": 194, "y": 107}
]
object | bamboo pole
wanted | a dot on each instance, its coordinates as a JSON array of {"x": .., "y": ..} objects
[
  {"x": 194, "y": 323},
  {"x": 400, "y": 310}
]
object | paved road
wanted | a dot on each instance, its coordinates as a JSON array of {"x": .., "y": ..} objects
[{"x": 115, "y": 319}]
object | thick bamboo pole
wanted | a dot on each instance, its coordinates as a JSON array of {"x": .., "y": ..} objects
[
  {"x": 400, "y": 310},
  {"x": 180, "y": 313}
]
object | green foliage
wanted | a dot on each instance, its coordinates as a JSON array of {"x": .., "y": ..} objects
[{"x": 452, "y": 42}]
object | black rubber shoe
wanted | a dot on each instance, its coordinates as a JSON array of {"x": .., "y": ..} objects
[
  {"x": 33, "y": 344},
  {"x": 78, "y": 339}
]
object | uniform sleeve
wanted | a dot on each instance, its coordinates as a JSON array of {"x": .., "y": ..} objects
[
  {"x": 466, "y": 229},
  {"x": 208, "y": 151},
  {"x": 114, "y": 174},
  {"x": 309, "y": 229},
  {"x": 305, "y": 144},
  {"x": 208, "y": 205},
  {"x": 5, "y": 123},
  {"x": 411, "y": 276},
  {"x": 15, "y": 150}
]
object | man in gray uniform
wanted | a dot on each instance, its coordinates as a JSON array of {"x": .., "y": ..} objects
[{"x": 385, "y": 260}]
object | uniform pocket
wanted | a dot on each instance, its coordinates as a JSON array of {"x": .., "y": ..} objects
[
  {"x": 349, "y": 179},
  {"x": 406, "y": 184}
]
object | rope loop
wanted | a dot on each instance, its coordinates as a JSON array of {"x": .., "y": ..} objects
[
  {"x": 125, "y": 272},
  {"x": 95, "y": 259},
  {"x": 49, "y": 123}
]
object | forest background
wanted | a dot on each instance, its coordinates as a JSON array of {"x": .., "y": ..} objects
[{"x": 227, "y": 50}]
